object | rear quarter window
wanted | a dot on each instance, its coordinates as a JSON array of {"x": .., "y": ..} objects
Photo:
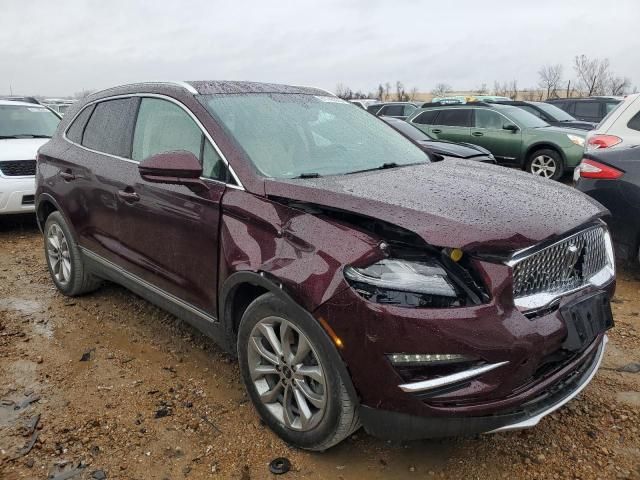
[
  {"x": 76, "y": 129},
  {"x": 110, "y": 128},
  {"x": 634, "y": 123}
]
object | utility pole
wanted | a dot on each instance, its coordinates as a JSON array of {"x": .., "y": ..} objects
[{"x": 10, "y": 89}]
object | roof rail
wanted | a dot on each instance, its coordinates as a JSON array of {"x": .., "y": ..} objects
[
  {"x": 457, "y": 105},
  {"x": 178, "y": 83}
]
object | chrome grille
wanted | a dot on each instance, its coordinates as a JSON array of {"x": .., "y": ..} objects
[{"x": 563, "y": 266}]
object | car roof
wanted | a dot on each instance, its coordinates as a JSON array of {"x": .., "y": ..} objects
[
  {"x": 216, "y": 87},
  {"x": 494, "y": 105},
  {"x": 23, "y": 104}
]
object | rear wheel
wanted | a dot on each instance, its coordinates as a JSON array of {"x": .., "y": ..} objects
[
  {"x": 546, "y": 163},
  {"x": 64, "y": 260},
  {"x": 287, "y": 370}
]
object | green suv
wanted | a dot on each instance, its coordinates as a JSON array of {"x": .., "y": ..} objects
[{"x": 514, "y": 136}]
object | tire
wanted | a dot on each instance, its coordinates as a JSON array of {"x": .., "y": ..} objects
[
  {"x": 331, "y": 413},
  {"x": 64, "y": 259},
  {"x": 545, "y": 163}
]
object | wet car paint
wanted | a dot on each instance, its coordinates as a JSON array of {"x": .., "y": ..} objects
[{"x": 272, "y": 228}]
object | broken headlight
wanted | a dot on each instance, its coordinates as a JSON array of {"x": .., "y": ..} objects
[{"x": 409, "y": 283}]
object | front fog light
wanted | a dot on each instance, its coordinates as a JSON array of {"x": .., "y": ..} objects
[{"x": 400, "y": 359}]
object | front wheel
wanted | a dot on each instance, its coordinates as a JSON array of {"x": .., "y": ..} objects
[
  {"x": 546, "y": 163},
  {"x": 287, "y": 369}
]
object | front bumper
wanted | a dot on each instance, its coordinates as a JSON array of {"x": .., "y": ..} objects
[
  {"x": 17, "y": 194},
  {"x": 400, "y": 426}
]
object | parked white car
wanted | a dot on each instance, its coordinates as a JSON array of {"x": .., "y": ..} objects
[
  {"x": 24, "y": 128},
  {"x": 621, "y": 127}
]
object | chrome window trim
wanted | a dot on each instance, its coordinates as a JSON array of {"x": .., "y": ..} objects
[
  {"x": 449, "y": 379},
  {"x": 158, "y": 291},
  {"x": 239, "y": 185},
  {"x": 544, "y": 299}
]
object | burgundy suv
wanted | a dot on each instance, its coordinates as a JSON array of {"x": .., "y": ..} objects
[{"x": 358, "y": 282}]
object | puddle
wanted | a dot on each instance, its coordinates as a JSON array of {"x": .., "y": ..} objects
[{"x": 34, "y": 310}]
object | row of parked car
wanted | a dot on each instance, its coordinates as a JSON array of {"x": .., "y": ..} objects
[
  {"x": 359, "y": 277},
  {"x": 543, "y": 138}
]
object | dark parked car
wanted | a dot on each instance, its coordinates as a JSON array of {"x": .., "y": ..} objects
[
  {"x": 551, "y": 114},
  {"x": 443, "y": 148},
  {"x": 612, "y": 177},
  {"x": 357, "y": 281},
  {"x": 592, "y": 109},
  {"x": 393, "y": 109}
]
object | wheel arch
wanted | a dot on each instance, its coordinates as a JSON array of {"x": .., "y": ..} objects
[
  {"x": 544, "y": 145},
  {"x": 231, "y": 307}
]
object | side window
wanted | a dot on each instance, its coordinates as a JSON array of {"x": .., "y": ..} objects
[
  {"x": 634, "y": 123},
  {"x": 426, "y": 118},
  {"x": 392, "y": 110},
  {"x": 489, "y": 119},
  {"x": 163, "y": 126},
  {"x": 587, "y": 109},
  {"x": 459, "y": 117},
  {"x": 76, "y": 129},
  {"x": 212, "y": 165},
  {"x": 110, "y": 126}
]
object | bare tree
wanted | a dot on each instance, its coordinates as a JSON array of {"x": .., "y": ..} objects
[
  {"x": 380, "y": 92},
  {"x": 441, "y": 89},
  {"x": 512, "y": 90},
  {"x": 500, "y": 89},
  {"x": 387, "y": 90},
  {"x": 343, "y": 92},
  {"x": 618, "y": 85},
  {"x": 592, "y": 74},
  {"x": 413, "y": 93},
  {"x": 400, "y": 94},
  {"x": 482, "y": 90},
  {"x": 550, "y": 79}
]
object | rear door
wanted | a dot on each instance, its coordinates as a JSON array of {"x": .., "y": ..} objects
[
  {"x": 168, "y": 234},
  {"x": 101, "y": 134},
  {"x": 452, "y": 124},
  {"x": 488, "y": 132}
]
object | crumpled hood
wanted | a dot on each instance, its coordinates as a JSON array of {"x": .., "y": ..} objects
[
  {"x": 457, "y": 203},
  {"x": 20, "y": 148}
]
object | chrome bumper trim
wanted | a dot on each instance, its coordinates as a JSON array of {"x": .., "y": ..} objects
[
  {"x": 449, "y": 379},
  {"x": 533, "y": 421}
]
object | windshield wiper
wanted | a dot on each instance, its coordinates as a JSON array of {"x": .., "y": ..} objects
[
  {"x": 309, "y": 175},
  {"x": 24, "y": 135},
  {"x": 384, "y": 166}
]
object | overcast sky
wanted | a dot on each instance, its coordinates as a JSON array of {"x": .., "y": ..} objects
[{"x": 60, "y": 47}]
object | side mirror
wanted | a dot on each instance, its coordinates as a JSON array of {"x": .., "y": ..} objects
[
  {"x": 178, "y": 168},
  {"x": 511, "y": 127}
]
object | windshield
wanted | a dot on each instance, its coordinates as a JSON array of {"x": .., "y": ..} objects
[
  {"x": 409, "y": 130},
  {"x": 555, "y": 112},
  {"x": 289, "y": 135},
  {"x": 18, "y": 121},
  {"x": 523, "y": 118}
]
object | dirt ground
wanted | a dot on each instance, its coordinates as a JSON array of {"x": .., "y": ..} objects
[{"x": 109, "y": 386}]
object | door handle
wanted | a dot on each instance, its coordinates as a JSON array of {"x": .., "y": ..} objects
[
  {"x": 436, "y": 130},
  {"x": 129, "y": 197},
  {"x": 477, "y": 134},
  {"x": 67, "y": 176}
]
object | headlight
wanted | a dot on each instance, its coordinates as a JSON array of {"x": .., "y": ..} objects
[
  {"x": 422, "y": 283},
  {"x": 576, "y": 139}
]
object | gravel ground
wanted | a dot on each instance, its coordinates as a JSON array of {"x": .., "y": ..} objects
[{"x": 109, "y": 386}]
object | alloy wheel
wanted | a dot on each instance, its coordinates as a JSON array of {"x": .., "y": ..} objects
[
  {"x": 287, "y": 373},
  {"x": 58, "y": 254},
  {"x": 544, "y": 166}
]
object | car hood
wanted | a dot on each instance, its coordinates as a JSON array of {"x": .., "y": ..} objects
[
  {"x": 469, "y": 205},
  {"x": 20, "y": 148},
  {"x": 565, "y": 130},
  {"x": 452, "y": 149}
]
